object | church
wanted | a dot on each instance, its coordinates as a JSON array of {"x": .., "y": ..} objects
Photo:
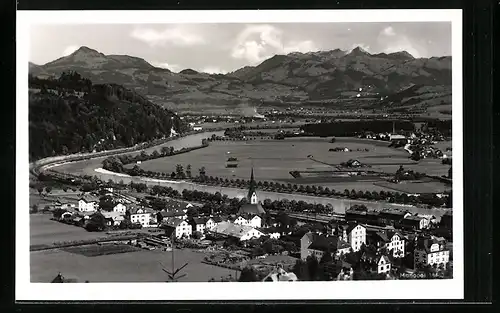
[{"x": 253, "y": 207}]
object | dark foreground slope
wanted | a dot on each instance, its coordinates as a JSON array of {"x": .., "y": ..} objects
[{"x": 70, "y": 115}]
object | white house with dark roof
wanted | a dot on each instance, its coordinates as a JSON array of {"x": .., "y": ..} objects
[
  {"x": 120, "y": 208},
  {"x": 198, "y": 224},
  {"x": 249, "y": 220},
  {"x": 397, "y": 245},
  {"x": 179, "y": 227},
  {"x": 384, "y": 265},
  {"x": 356, "y": 236},
  {"x": 113, "y": 218},
  {"x": 143, "y": 216},
  {"x": 272, "y": 232},
  {"x": 431, "y": 251},
  {"x": 86, "y": 205}
]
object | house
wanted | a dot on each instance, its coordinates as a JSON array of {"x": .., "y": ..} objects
[
  {"x": 86, "y": 205},
  {"x": 414, "y": 222},
  {"x": 178, "y": 227},
  {"x": 198, "y": 224},
  {"x": 321, "y": 245},
  {"x": 397, "y": 245},
  {"x": 67, "y": 206},
  {"x": 240, "y": 232},
  {"x": 431, "y": 251},
  {"x": 395, "y": 137},
  {"x": 143, "y": 216},
  {"x": 279, "y": 274},
  {"x": 113, "y": 218},
  {"x": 212, "y": 222},
  {"x": 120, "y": 208},
  {"x": 305, "y": 242},
  {"x": 342, "y": 248},
  {"x": 68, "y": 214},
  {"x": 272, "y": 232},
  {"x": 197, "y": 128},
  {"x": 249, "y": 220},
  {"x": 392, "y": 217},
  {"x": 356, "y": 236},
  {"x": 378, "y": 238},
  {"x": 176, "y": 213},
  {"x": 383, "y": 265}
]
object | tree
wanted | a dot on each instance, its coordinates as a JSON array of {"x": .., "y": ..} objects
[
  {"x": 197, "y": 235},
  {"x": 248, "y": 274},
  {"x": 34, "y": 208},
  {"x": 179, "y": 171},
  {"x": 48, "y": 189},
  {"x": 40, "y": 190},
  {"x": 106, "y": 203},
  {"x": 188, "y": 170},
  {"x": 96, "y": 223},
  {"x": 125, "y": 224},
  {"x": 192, "y": 212},
  {"x": 312, "y": 267},
  {"x": 327, "y": 257}
]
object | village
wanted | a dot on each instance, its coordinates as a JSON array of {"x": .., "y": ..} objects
[{"x": 263, "y": 243}]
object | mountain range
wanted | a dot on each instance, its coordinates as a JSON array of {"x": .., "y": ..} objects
[{"x": 338, "y": 78}]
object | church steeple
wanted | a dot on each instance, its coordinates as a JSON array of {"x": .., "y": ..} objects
[{"x": 252, "y": 195}]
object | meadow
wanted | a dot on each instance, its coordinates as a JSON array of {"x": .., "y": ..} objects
[
  {"x": 43, "y": 231},
  {"x": 273, "y": 160},
  {"x": 138, "y": 266}
]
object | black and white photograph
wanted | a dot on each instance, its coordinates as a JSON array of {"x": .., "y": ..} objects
[{"x": 239, "y": 149}]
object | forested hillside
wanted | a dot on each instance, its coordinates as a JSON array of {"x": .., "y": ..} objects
[{"x": 70, "y": 115}]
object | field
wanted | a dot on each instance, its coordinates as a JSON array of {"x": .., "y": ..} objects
[
  {"x": 416, "y": 186},
  {"x": 139, "y": 266},
  {"x": 43, "y": 230},
  {"x": 99, "y": 250},
  {"x": 274, "y": 159}
]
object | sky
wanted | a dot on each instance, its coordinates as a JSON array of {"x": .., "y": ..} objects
[{"x": 222, "y": 48}]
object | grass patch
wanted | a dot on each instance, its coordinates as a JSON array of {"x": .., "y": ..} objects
[{"x": 104, "y": 249}]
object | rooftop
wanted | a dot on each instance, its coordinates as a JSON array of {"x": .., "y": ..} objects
[
  {"x": 324, "y": 243},
  {"x": 231, "y": 229}
]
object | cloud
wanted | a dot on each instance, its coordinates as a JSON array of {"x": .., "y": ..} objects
[
  {"x": 213, "y": 70},
  {"x": 69, "y": 50},
  {"x": 388, "y": 31},
  {"x": 259, "y": 42},
  {"x": 389, "y": 41},
  {"x": 300, "y": 46},
  {"x": 172, "y": 67},
  {"x": 177, "y": 36}
]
